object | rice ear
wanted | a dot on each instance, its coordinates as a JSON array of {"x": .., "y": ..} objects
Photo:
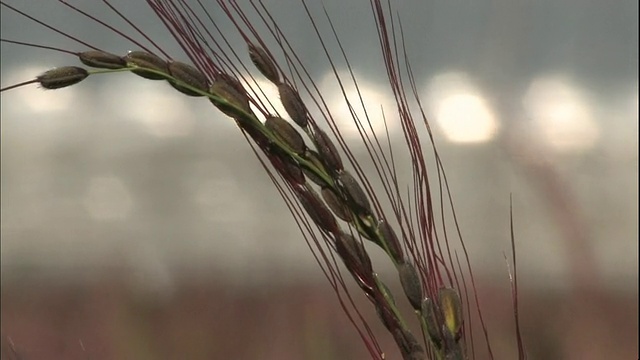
[
  {"x": 354, "y": 191},
  {"x": 286, "y": 133},
  {"x": 339, "y": 208},
  {"x": 391, "y": 240},
  {"x": 287, "y": 167},
  {"x": 409, "y": 345},
  {"x": 317, "y": 209},
  {"x": 230, "y": 81},
  {"x": 61, "y": 77},
  {"x": 428, "y": 313},
  {"x": 411, "y": 284},
  {"x": 314, "y": 158},
  {"x": 188, "y": 75},
  {"x": 264, "y": 63},
  {"x": 233, "y": 100},
  {"x": 356, "y": 259},
  {"x": 293, "y": 104},
  {"x": 327, "y": 150},
  {"x": 102, "y": 60},
  {"x": 145, "y": 60},
  {"x": 451, "y": 308}
]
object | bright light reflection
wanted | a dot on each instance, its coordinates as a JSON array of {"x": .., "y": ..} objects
[
  {"x": 461, "y": 112},
  {"x": 561, "y": 115},
  {"x": 32, "y": 98},
  {"x": 374, "y": 101},
  {"x": 107, "y": 198},
  {"x": 269, "y": 97},
  {"x": 158, "y": 107}
]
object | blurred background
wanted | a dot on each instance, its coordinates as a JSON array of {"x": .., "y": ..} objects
[{"x": 137, "y": 223}]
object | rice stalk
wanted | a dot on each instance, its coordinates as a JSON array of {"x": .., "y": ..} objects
[
  {"x": 348, "y": 215},
  {"x": 290, "y": 149},
  {"x": 290, "y": 145}
]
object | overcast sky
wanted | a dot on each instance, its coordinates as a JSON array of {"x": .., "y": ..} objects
[{"x": 125, "y": 170}]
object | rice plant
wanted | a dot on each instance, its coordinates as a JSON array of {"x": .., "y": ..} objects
[{"x": 342, "y": 211}]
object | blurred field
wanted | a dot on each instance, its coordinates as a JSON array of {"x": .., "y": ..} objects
[{"x": 108, "y": 319}]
